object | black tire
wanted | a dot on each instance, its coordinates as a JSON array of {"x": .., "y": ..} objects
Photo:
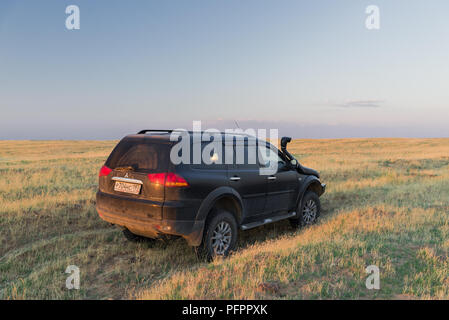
[
  {"x": 220, "y": 224},
  {"x": 134, "y": 237},
  {"x": 309, "y": 212}
]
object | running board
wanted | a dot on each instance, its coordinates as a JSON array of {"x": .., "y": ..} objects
[{"x": 266, "y": 221}]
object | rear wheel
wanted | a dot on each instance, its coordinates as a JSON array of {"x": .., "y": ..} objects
[
  {"x": 309, "y": 212},
  {"x": 220, "y": 236}
]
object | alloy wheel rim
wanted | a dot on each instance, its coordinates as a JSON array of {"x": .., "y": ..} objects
[
  {"x": 309, "y": 211},
  {"x": 221, "y": 238}
]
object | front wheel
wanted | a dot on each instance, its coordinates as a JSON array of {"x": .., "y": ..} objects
[
  {"x": 220, "y": 236},
  {"x": 309, "y": 211}
]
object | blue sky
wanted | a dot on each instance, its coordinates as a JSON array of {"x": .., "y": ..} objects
[{"x": 308, "y": 68}]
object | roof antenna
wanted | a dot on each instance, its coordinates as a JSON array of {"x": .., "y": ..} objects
[{"x": 236, "y": 123}]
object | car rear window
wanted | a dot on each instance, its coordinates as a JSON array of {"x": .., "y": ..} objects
[{"x": 140, "y": 155}]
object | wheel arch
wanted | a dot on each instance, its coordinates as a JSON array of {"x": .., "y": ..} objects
[
  {"x": 312, "y": 183},
  {"x": 225, "y": 198}
]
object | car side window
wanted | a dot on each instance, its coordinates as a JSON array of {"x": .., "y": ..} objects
[
  {"x": 211, "y": 158},
  {"x": 269, "y": 157},
  {"x": 245, "y": 155}
]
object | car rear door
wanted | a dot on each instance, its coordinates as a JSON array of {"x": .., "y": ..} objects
[
  {"x": 132, "y": 161},
  {"x": 245, "y": 178}
]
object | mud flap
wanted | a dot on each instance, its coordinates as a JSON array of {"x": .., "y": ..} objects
[{"x": 196, "y": 236}]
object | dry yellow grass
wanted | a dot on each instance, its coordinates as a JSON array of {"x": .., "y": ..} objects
[{"x": 387, "y": 203}]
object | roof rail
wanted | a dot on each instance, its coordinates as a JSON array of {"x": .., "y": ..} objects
[
  {"x": 153, "y": 130},
  {"x": 170, "y": 131}
]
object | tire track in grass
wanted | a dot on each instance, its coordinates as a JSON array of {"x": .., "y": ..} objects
[{"x": 37, "y": 244}]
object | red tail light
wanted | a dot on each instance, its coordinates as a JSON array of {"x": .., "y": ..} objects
[
  {"x": 173, "y": 180},
  {"x": 169, "y": 179},
  {"x": 104, "y": 171},
  {"x": 157, "y": 178}
]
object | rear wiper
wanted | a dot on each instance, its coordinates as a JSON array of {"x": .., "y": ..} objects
[{"x": 125, "y": 168}]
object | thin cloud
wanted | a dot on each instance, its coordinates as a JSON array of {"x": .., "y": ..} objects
[{"x": 361, "y": 104}]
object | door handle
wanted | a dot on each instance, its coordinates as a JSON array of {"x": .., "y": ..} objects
[
  {"x": 271, "y": 178},
  {"x": 234, "y": 178}
]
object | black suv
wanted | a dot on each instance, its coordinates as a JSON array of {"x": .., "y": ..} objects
[{"x": 207, "y": 202}]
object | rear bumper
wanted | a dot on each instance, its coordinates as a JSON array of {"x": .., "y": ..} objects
[{"x": 133, "y": 215}]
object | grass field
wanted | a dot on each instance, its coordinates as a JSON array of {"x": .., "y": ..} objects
[{"x": 387, "y": 204}]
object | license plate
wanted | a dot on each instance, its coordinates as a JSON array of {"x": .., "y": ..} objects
[{"x": 127, "y": 187}]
